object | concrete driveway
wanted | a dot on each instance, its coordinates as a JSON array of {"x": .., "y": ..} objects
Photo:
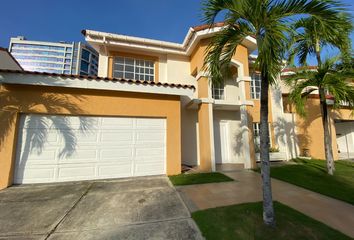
[{"x": 140, "y": 208}]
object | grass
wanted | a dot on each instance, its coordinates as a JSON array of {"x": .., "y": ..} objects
[
  {"x": 244, "y": 221},
  {"x": 312, "y": 175},
  {"x": 199, "y": 178}
]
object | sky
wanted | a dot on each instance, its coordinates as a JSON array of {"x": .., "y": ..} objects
[{"x": 63, "y": 20}]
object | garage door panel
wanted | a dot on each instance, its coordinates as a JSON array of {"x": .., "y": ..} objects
[
  {"x": 142, "y": 153},
  {"x": 116, "y": 153},
  {"x": 116, "y": 136},
  {"x": 34, "y": 175},
  {"x": 76, "y": 171},
  {"x": 148, "y": 169},
  {"x": 108, "y": 171},
  {"x": 150, "y": 136},
  {"x": 117, "y": 123},
  {"x": 152, "y": 123},
  {"x": 80, "y": 155},
  {"x": 112, "y": 147}
]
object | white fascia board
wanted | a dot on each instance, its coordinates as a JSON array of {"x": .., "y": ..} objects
[
  {"x": 56, "y": 81},
  {"x": 135, "y": 46},
  {"x": 190, "y": 41}
]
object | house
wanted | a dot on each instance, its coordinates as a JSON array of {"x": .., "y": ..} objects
[
  {"x": 150, "y": 110},
  {"x": 8, "y": 61},
  {"x": 309, "y": 130}
]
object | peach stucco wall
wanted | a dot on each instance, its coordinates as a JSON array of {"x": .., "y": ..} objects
[
  {"x": 310, "y": 130},
  {"x": 55, "y": 100}
]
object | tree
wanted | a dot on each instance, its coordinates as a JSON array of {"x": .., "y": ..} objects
[
  {"x": 311, "y": 35},
  {"x": 269, "y": 22}
]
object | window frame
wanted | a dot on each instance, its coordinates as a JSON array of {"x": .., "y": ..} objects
[
  {"x": 255, "y": 90},
  {"x": 143, "y": 68},
  {"x": 218, "y": 91}
]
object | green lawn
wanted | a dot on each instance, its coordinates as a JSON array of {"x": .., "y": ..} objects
[
  {"x": 312, "y": 174},
  {"x": 199, "y": 178},
  {"x": 244, "y": 221}
]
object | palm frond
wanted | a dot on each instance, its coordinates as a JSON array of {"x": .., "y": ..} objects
[{"x": 222, "y": 48}]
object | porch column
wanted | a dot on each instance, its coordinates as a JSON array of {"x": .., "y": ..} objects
[
  {"x": 247, "y": 121},
  {"x": 247, "y": 136},
  {"x": 205, "y": 126}
]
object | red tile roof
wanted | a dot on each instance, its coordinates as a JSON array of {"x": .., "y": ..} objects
[
  {"x": 106, "y": 79},
  {"x": 207, "y": 26},
  {"x": 299, "y": 68}
]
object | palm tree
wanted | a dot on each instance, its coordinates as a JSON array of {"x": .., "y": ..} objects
[
  {"x": 333, "y": 82},
  {"x": 309, "y": 38},
  {"x": 269, "y": 22}
]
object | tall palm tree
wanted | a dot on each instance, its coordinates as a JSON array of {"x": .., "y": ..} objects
[
  {"x": 309, "y": 38},
  {"x": 269, "y": 22}
]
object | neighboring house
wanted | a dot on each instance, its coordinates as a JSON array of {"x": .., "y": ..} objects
[
  {"x": 150, "y": 110},
  {"x": 7, "y": 61},
  {"x": 55, "y": 57},
  {"x": 309, "y": 130}
]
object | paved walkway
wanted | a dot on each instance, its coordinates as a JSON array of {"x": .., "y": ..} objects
[{"x": 247, "y": 188}]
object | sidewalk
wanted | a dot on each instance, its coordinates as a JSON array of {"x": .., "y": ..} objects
[{"x": 247, "y": 188}]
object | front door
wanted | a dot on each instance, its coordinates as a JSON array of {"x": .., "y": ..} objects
[{"x": 221, "y": 134}]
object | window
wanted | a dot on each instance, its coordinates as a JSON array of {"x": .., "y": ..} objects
[
  {"x": 218, "y": 91},
  {"x": 85, "y": 55},
  {"x": 84, "y": 66},
  {"x": 130, "y": 68},
  {"x": 37, "y": 52},
  {"x": 256, "y": 86},
  {"x": 68, "y": 55},
  {"x": 36, "y": 46},
  {"x": 38, "y": 58},
  {"x": 256, "y": 136}
]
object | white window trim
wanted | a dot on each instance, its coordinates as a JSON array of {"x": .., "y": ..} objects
[
  {"x": 146, "y": 76},
  {"x": 218, "y": 90},
  {"x": 254, "y": 93}
]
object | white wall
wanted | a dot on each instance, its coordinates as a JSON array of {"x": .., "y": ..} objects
[
  {"x": 284, "y": 125},
  {"x": 236, "y": 144},
  {"x": 189, "y": 132},
  {"x": 232, "y": 90},
  {"x": 102, "y": 66},
  {"x": 345, "y": 139}
]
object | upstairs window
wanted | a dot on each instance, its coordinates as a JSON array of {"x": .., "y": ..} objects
[
  {"x": 218, "y": 91},
  {"x": 256, "y": 86},
  {"x": 131, "y": 68},
  {"x": 85, "y": 55}
]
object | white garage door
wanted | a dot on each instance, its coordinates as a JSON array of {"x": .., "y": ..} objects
[{"x": 58, "y": 148}]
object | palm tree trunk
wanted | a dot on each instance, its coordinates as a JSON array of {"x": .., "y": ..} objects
[
  {"x": 268, "y": 209},
  {"x": 325, "y": 123},
  {"x": 326, "y": 132}
]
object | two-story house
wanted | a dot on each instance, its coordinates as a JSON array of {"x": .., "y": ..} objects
[{"x": 151, "y": 109}]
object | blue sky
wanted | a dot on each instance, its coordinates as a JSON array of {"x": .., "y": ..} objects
[{"x": 62, "y": 20}]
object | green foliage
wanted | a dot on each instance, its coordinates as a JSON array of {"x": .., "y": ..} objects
[
  {"x": 311, "y": 34},
  {"x": 270, "y": 22},
  {"x": 244, "y": 221},
  {"x": 199, "y": 178},
  {"x": 305, "y": 82}
]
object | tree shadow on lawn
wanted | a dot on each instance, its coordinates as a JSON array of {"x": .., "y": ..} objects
[{"x": 312, "y": 175}]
